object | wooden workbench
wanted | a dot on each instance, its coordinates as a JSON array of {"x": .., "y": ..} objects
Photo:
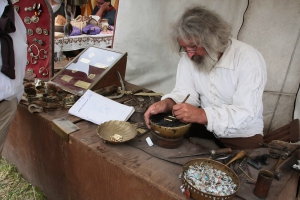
[{"x": 86, "y": 168}]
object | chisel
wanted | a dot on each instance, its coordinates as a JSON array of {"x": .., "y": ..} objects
[{"x": 210, "y": 152}]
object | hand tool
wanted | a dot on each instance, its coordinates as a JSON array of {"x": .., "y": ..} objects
[
  {"x": 148, "y": 94},
  {"x": 210, "y": 152},
  {"x": 239, "y": 155},
  {"x": 172, "y": 117},
  {"x": 258, "y": 161}
]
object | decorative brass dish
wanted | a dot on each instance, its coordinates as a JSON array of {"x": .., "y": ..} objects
[
  {"x": 166, "y": 128},
  {"x": 116, "y": 131},
  {"x": 198, "y": 194}
]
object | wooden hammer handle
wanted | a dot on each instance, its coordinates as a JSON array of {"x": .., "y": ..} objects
[
  {"x": 240, "y": 155},
  {"x": 221, "y": 151}
]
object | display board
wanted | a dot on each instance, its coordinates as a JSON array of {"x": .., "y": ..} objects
[
  {"x": 93, "y": 68},
  {"x": 38, "y": 19}
]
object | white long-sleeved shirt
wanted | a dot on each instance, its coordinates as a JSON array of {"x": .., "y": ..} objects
[
  {"x": 11, "y": 88},
  {"x": 230, "y": 94}
]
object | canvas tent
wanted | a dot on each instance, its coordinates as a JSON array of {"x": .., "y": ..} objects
[{"x": 271, "y": 26}]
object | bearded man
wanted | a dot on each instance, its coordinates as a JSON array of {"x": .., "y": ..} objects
[{"x": 225, "y": 79}]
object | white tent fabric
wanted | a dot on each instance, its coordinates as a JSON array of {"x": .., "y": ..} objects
[
  {"x": 143, "y": 29},
  {"x": 271, "y": 26}
]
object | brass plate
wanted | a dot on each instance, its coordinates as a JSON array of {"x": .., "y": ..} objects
[
  {"x": 110, "y": 128},
  {"x": 82, "y": 84}
]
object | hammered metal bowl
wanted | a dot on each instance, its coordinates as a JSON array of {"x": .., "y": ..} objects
[
  {"x": 168, "y": 129},
  {"x": 199, "y": 195},
  {"x": 110, "y": 128}
]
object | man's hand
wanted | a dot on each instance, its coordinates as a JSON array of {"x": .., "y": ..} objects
[
  {"x": 187, "y": 113},
  {"x": 158, "y": 107},
  {"x": 103, "y": 8}
]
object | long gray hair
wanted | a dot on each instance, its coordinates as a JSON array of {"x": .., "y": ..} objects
[{"x": 204, "y": 27}]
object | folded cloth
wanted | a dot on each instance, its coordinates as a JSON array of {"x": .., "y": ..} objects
[
  {"x": 75, "y": 31},
  {"x": 91, "y": 29}
]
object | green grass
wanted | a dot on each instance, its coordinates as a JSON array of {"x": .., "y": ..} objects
[{"x": 14, "y": 187}]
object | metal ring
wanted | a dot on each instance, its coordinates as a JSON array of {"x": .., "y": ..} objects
[
  {"x": 29, "y": 72},
  {"x": 34, "y": 19},
  {"x": 40, "y": 42},
  {"x": 29, "y": 31},
  {"x": 45, "y": 73},
  {"x": 31, "y": 52},
  {"x": 45, "y": 31},
  {"x": 27, "y": 9},
  {"x": 45, "y": 54},
  {"x": 41, "y": 70},
  {"x": 17, "y": 8},
  {"x": 38, "y": 30},
  {"x": 27, "y": 20},
  {"x": 35, "y": 62}
]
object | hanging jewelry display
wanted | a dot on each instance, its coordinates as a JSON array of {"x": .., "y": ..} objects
[{"x": 39, "y": 23}]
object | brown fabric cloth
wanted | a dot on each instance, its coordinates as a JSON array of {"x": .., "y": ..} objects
[
  {"x": 7, "y": 25},
  {"x": 243, "y": 143},
  {"x": 199, "y": 130}
]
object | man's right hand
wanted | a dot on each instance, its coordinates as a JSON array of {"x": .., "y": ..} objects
[
  {"x": 103, "y": 8},
  {"x": 163, "y": 106}
]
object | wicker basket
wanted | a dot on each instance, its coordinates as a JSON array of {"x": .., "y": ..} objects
[
  {"x": 199, "y": 195},
  {"x": 80, "y": 24}
]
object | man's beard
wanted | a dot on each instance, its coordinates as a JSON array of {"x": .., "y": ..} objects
[{"x": 203, "y": 63}]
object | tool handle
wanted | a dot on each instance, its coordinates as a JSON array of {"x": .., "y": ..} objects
[
  {"x": 185, "y": 98},
  {"x": 280, "y": 160},
  {"x": 240, "y": 155},
  {"x": 221, "y": 151}
]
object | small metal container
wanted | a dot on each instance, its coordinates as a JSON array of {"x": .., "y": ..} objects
[{"x": 263, "y": 183}]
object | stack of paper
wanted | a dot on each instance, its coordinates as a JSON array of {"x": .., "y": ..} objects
[{"x": 98, "y": 109}]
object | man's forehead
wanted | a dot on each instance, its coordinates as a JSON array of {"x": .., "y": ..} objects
[{"x": 186, "y": 42}]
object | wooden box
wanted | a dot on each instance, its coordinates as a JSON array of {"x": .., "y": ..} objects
[{"x": 93, "y": 68}]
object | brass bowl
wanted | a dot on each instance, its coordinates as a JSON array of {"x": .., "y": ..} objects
[
  {"x": 108, "y": 129},
  {"x": 161, "y": 125},
  {"x": 198, "y": 194}
]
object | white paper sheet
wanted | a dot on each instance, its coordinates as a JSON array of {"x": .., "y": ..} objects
[{"x": 98, "y": 109}]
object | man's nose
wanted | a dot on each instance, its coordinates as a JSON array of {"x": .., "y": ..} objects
[{"x": 190, "y": 54}]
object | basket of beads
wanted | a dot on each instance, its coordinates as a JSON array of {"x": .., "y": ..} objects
[{"x": 208, "y": 179}]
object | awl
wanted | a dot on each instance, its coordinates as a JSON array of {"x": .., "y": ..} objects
[{"x": 210, "y": 152}]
